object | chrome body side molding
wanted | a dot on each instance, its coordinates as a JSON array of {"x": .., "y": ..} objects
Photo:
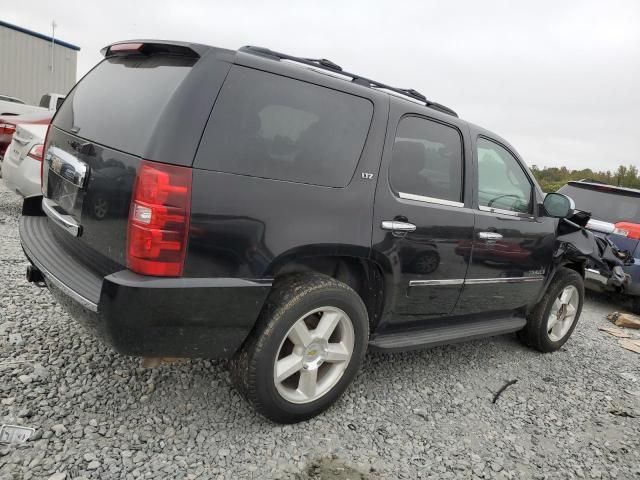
[{"x": 476, "y": 281}]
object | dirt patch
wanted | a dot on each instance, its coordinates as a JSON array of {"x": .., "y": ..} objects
[{"x": 333, "y": 468}]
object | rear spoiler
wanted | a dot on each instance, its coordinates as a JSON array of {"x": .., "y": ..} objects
[{"x": 148, "y": 47}]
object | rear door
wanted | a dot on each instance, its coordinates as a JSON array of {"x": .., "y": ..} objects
[
  {"x": 423, "y": 223},
  {"x": 512, "y": 246}
]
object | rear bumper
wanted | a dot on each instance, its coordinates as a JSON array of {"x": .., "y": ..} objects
[{"x": 147, "y": 316}]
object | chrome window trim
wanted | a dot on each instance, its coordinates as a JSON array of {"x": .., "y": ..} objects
[
  {"x": 476, "y": 281},
  {"x": 505, "y": 212},
  {"x": 423, "y": 199}
]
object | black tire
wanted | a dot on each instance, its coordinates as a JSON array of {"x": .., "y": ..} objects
[
  {"x": 535, "y": 333},
  {"x": 290, "y": 299}
]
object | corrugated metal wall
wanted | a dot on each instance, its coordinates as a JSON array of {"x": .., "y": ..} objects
[{"x": 25, "y": 66}]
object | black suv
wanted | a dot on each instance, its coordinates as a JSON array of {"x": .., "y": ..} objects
[{"x": 287, "y": 214}]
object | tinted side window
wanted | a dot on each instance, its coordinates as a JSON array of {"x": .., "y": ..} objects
[
  {"x": 427, "y": 160},
  {"x": 502, "y": 183},
  {"x": 44, "y": 101},
  {"x": 269, "y": 126}
]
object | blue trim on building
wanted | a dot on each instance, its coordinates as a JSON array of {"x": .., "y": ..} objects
[{"x": 39, "y": 35}]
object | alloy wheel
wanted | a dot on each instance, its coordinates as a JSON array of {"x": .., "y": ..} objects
[
  {"x": 563, "y": 313},
  {"x": 314, "y": 355}
]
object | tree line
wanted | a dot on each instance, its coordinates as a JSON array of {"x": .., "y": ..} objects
[{"x": 552, "y": 178}]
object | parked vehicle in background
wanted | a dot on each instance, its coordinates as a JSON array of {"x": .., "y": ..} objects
[
  {"x": 15, "y": 106},
  {"x": 23, "y": 160},
  {"x": 6, "y": 98},
  {"x": 8, "y": 126},
  {"x": 52, "y": 101},
  {"x": 288, "y": 215},
  {"x": 615, "y": 215}
]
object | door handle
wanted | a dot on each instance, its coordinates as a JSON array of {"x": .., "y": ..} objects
[
  {"x": 396, "y": 226},
  {"x": 489, "y": 236}
]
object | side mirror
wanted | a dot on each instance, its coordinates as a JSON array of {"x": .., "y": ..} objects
[{"x": 557, "y": 205}]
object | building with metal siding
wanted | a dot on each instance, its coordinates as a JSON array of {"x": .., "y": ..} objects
[{"x": 26, "y": 70}]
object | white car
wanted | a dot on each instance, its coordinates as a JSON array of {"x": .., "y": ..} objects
[{"x": 23, "y": 159}]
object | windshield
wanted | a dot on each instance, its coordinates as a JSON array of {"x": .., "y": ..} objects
[{"x": 607, "y": 206}]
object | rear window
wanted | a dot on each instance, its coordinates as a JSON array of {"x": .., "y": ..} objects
[
  {"x": 269, "y": 126},
  {"x": 606, "y": 206},
  {"x": 118, "y": 103}
]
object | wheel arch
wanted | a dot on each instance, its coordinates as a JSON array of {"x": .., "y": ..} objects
[
  {"x": 577, "y": 266},
  {"x": 362, "y": 274}
]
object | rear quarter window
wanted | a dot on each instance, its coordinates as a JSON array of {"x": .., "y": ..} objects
[{"x": 269, "y": 126}]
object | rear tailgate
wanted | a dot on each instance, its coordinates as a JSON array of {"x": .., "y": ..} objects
[{"x": 129, "y": 107}]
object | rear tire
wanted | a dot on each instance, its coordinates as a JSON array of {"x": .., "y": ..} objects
[
  {"x": 305, "y": 349},
  {"x": 554, "y": 318}
]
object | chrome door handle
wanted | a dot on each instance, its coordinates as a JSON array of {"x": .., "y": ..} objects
[
  {"x": 396, "y": 226},
  {"x": 489, "y": 236}
]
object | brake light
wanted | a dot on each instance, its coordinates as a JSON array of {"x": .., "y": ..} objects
[
  {"x": 7, "y": 129},
  {"x": 46, "y": 139},
  {"x": 628, "y": 229},
  {"x": 125, "y": 47},
  {"x": 159, "y": 219},
  {"x": 36, "y": 152}
]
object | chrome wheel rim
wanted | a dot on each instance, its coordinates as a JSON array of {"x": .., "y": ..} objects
[
  {"x": 563, "y": 313},
  {"x": 314, "y": 355}
]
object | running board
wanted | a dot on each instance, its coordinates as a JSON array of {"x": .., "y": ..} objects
[{"x": 444, "y": 334}]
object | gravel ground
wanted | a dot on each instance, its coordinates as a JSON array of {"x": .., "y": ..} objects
[{"x": 417, "y": 415}]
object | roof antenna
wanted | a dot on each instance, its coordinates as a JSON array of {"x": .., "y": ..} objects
[{"x": 53, "y": 42}]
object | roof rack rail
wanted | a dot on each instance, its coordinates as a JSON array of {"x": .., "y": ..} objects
[{"x": 324, "y": 64}]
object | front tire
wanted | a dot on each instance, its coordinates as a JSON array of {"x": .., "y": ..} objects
[
  {"x": 556, "y": 315},
  {"x": 305, "y": 349}
]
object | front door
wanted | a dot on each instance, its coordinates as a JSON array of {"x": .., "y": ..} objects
[
  {"x": 420, "y": 216},
  {"x": 512, "y": 246}
]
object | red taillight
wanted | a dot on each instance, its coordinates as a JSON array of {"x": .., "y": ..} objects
[
  {"x": 7, "y": 129},
  {"x": 627, "y": 229},
  {"x": 159, "y": 219},
  {"x": 44, "y": 146},
  {"x": 36, "y": 152},
  {"x": 6, "y": 132}
]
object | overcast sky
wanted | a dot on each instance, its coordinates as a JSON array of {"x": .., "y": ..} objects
[{"x": 559, "y": 79}]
